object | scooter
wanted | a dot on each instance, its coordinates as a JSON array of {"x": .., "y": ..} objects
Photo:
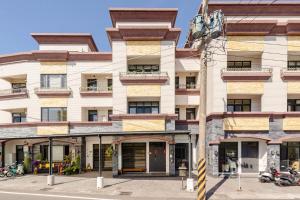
[
  {"x": 291, "y": 179},
  {"x": 268, "y": 176}
]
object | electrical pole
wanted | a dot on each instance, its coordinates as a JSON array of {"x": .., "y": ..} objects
[{"x": 201, "y": 183}]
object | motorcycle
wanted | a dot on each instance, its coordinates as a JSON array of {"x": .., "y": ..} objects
[
  {"x": 290, "y": 179},
  {"x": 268, "y": 176}
]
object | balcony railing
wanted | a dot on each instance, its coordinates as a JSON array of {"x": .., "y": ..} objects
[
  {"x": 290, "y": 73},
  {"x": 143, "y": 77},
  {"x": 53, "y": 91},
  {"x": 253, "y": 73},
  {"x": 13, "y": 93},
  {"x": 95, "y": 91}
]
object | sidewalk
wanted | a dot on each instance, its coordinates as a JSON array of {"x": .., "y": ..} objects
[{"x": 139, "y": 188}]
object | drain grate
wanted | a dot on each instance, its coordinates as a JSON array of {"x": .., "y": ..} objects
[
  {"x": 46, "y": 189},
  {"x": 125, "y": 193}
]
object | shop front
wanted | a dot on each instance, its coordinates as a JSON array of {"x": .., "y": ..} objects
[{"x": 290, "y": 156}]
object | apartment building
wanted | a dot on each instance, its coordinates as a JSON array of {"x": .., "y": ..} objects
[
  {"x": 141, "y": 98},
  {"x": 253, "y": 88}
]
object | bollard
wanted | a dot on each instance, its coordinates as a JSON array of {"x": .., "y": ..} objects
[
  {"x": 50, "y": 180},
  {"x": 190, "y": 185},
  {"x": 239, "y": 182},
  {"x": 100, "y": 183}
]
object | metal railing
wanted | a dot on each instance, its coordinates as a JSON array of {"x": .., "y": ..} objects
[
  {"x": 242, "y": 69},
  {"x": 291, "y": 69},
  {"x": 95, "y": 89},
  {"x": 13, "y": 91},
  {"x": 52, "y": 89},
  {"x": 187, "y": 86},
  {"x": 143, "y": 74}
]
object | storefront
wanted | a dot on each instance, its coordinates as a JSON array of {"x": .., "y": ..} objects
[{"x": 290, "y": 155}]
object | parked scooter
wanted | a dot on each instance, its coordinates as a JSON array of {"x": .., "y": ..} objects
[
  {"x": 268, "y": 176},
  {"x": 291, "y": 179}
]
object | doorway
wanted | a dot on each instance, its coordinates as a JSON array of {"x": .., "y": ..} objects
[
  {"x": 134, "y": 157},
  {"x": 157, "y": 156},
  {"x": 249, "y": 157},
  {"x": 181, "y": 155},
  {"x": 228, "y": 157},
  {"x": 19, "y": 154},
  {"x": 106, "y": 157}
]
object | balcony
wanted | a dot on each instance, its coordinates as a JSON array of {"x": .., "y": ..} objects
[
  {"x": 95, "y": 91},
  {"x": 53, "y": 92},
  {"x": 14, "y": 93},
  {"x": 246, "y": 74},
  {"x": 290, "y": 74},
  {"x": 187, "y": 89},
  {"x": 143, "y": 77}
]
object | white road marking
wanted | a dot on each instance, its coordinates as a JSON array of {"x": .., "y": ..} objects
[{"x": 53, "y": 195}]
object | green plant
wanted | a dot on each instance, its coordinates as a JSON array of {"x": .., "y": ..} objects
[
  {"x": 109, "y": 151},
  {"x": 27, "y": 162},
  {"x": 67, "y": 159},
  {"x": 39, "y": 156}
]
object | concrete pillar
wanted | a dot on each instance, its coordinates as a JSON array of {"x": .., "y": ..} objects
[
  {"x": 215, "y": 159},
  {"x": 27, "y": 154},
  {"x": 83, "y": 153},
  {"x": 274, "y": 156},
  {"x": 115, "y": 171},
  {"x": 172, "y": 170}
]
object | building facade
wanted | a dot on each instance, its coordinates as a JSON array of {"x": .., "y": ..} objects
[
  {"x": 253, "y": 88},
  {"x": 142, "y": 97}
]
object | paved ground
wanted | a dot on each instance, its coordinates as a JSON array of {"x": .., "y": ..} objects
[{"x": 84, "y": 187}]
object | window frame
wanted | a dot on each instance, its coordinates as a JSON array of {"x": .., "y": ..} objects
[
  {"x": 63, "y": 115},
  {"x": 242, "y": 104},
  {"x": 143, "y": 69},
  {"x": 235, "y": 66},
  {"x": 141, "y": 106},
  {"x": 45, "y": 82},
  {"x": 188, "y": 113},
  {"x": 22, "y": 117},
  {"x": 190, "y": 82},
  {"x": 89, "y": 114},
  {"x": 294, "y": 105}
]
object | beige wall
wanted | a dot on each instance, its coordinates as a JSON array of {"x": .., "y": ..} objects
[{"x": 65, "y": 47}]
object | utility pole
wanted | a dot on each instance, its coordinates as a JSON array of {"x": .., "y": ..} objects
[{"x": 201, "y": 183}]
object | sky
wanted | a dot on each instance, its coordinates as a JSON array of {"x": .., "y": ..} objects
[{"x": 19, "y": 18}]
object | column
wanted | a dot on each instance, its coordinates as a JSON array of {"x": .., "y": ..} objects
[
  {"x": 215, "y": 159},
  {"x": 27, "y": 158},
  {"x": 239, "y": 157},
  {"x": 83, "y": 153},
  {"x": 2, "y": 145},
  {"x": 172, "y": 170},
  {"x": 274, "y": 156},
  {"x": 115, "y": 171}
]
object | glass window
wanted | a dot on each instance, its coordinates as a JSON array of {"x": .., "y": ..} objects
[
  {"x": 239, "y": 65},
  {"x": 191, "y": 113},
  {"x": 177, "y": 112},
  {"x": 190, "y": 82},
  {"x": 53, "y": 81},
  {"x": 109, "y": 113},
  {"x": 177, "y": 82},
  {"x": 92, "y": 115},
  {"x": 18, "y": 117},
  {"x": 143, "y": 68},
  {"x": 54, "y": 114},
  {"x": 92, "y": 84},
  {"x": 143, "y": 107},
  {"x": 293, "y": 105},
  {"x": 109, "y": 84},
  {"x": 238, "y": 105},
  {"x": 293, "y": 65}
]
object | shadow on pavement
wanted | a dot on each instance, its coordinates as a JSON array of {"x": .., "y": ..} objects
[{"x": 216, "y": 187}]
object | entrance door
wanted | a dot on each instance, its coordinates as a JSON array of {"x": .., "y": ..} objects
[
  {"x": 157, "y": 157},
  {"x": 250, "y": 157},
  {"x": 181, "y": 154},
  {"x": 134, "y": 157},
  {"x": 106, "y": 157},
  {"x": 228, "y": 156},
  {"x": 19, "y": 154}
]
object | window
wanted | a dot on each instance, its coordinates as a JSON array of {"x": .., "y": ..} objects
[
  {"x": 239, "y": 65},
  {"x": 293, "y": 65},
  {"x": 54, "y": 114},
  {"x": 293, "y": 105},
  {"x": 143, "y": 68},
  {"x": 177, "y": 112},
  {"x": 177, "y": 82},
  {"x": 92, "y": 84},
  {"x": 92, "y": 115},
  {"x": 44, "y": 152},
  {"x": 190, "y": 82},
  {"x": 18, "y": 117},
  {"x": 53, "y": 81},
  {"x": 238, "y": 105},
  {"x": 143, "y": 107},
  {"x": 109, "y": 113},
  {"x": 190, "y": 113},
  {"x": 109, "y": 84},
  {"x": 18, "y": 87}
]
